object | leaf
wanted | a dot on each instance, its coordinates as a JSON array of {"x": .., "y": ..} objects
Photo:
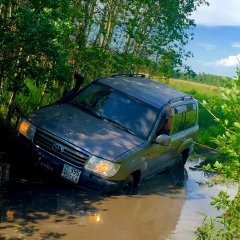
[
  {"x": 224, "y": 97},
  {"x": 237, "y": 124},
  {"x": 228, "y": 92},
  {"x": 228, "y": 134}
]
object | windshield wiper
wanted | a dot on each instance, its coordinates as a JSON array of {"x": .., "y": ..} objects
[
  {"x": 82, "y": 107},
  {"x": 117, "y": 124},
  {"x": 86, "y": 109}
]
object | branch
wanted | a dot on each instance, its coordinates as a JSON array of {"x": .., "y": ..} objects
[{"x": 216, "y": 118}]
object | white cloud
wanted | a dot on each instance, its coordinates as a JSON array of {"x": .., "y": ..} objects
[
  {"x": 218, "y": 13},
  {"x": 231, "y": 61},
  {"x": 236, "y": 44},
  {"x": 207, "y": 46}
]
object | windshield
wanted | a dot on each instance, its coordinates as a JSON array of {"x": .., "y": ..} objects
[{"x": 118, "y": 108}]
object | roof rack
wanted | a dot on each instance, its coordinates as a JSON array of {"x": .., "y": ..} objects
[
  {"x": 129, "y": 75},
  {"x": 180, "y": 99}
]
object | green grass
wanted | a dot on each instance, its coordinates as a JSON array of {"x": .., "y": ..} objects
[{"x": 199, "y": 90}]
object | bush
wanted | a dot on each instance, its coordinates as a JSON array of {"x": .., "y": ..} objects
[{"x": 226, "y": 226}]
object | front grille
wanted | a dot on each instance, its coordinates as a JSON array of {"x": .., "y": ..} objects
[{"x": 68, "y": 152}]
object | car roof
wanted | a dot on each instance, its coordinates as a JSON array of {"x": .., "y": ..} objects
[{"x": 145, "y": 89}]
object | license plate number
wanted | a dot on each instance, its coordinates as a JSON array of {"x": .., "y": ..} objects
[{"x": 71, "y": 173}]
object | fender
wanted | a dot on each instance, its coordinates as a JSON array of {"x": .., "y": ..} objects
[{"x": 187, "y": 144}]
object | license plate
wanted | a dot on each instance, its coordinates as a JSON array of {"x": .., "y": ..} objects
[{"x": 71, "y": 173}]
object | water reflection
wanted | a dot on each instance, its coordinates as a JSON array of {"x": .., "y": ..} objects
[
  {"x": 4, "y": 173},
  {"x": 37, "y": 208},
  {"x": 164, "y": 207}
]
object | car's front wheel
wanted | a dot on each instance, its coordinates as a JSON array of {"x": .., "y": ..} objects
[{"x": 126, "y": 188}]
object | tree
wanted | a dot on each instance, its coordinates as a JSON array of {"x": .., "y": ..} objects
[
  {"x": 31, "y": 46},
  {"x": 226, "y": 226},
  {"x": 48, "y": 41}
]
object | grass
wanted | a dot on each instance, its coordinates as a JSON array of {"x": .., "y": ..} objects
[{"x": 197, "y": 89}]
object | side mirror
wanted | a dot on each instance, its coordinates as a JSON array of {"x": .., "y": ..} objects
[{"x": 163, "y": 140}]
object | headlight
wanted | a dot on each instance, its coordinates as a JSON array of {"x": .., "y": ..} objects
[
  {"x": 26, "y": 128},
  {"x": 102, "y": 167}
]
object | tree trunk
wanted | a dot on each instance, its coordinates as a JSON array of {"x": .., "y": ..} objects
[
  {"x": 42, "y": 95},
  {"x": 10, "y": 107}
]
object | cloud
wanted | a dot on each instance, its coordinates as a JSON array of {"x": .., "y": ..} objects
[
  {"x": 236, "y": 44},
  {"x": 218, "y": 13},
  {"x": 207, "y": 46},
  {"x": 231, "y": 61}
]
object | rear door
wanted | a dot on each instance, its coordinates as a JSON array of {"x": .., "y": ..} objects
[{"x": 182, "y": 131}]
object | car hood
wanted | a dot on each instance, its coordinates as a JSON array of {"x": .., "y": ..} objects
[{"x": 88, "y": 132}]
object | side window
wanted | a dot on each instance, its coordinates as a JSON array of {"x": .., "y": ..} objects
[
  {"x": 191, "y": 115},
  {"x": 184, "y": 118},
  {"x": 178, "y": 123},
  {"x": 165, "y": 124}
]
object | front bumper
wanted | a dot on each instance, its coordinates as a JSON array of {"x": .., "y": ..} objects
[{"x": 53, "y": 165}]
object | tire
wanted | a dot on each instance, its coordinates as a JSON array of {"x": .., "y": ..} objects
[
  {"x": 179, "y": 163},
  {"x": 177, "y": 170},
  {"x": 184, "y": 158},
  {"x": 126, "y": 188}
]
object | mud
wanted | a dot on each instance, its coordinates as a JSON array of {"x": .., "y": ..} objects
[{"x": 166, "y": 206}]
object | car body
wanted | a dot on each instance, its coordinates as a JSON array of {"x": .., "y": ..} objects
[{"x": 104, "y": 137}]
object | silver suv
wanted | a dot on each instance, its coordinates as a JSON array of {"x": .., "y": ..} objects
[{"x": 113, "y": 133}]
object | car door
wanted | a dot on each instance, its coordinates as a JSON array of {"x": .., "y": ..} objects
[
  {"x": 163, "y": 157},
  {"x": 178, "y": 135},
  {"x": 157, "y": 157}
]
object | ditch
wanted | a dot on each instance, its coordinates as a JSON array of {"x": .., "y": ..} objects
[{"x": 166, "y": 206}]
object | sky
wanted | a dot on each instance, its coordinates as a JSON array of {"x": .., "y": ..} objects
[{"x": 216, "y": 44}]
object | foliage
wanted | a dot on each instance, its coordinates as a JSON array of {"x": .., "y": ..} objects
[
  {"x": 227, "y": 142},
  {"x": 47, "y": 42},
  {"x": 209, "y": 79},
  {"x": 31, "y": 43},
  {"x": 6, "y": 130},
  {"x": 227, "y": 225}
]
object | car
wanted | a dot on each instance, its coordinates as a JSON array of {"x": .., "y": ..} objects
[{"x": 109, "y": 135}]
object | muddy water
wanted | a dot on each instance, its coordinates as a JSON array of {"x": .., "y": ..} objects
[{"x": 166, "y": 206}]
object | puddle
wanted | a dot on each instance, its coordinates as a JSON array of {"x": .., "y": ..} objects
[{"x": 166, "y": 206}]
